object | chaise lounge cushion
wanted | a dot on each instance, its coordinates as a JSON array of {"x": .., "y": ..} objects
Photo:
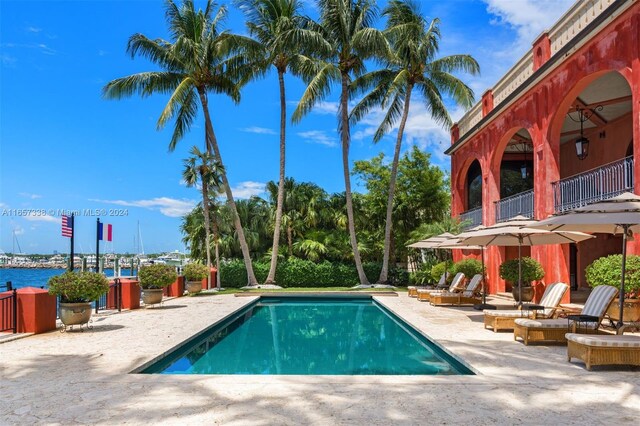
[
  {"x": 507, "y": 313},
  {"x": 552, "y": 323},
  {"x": 610, "y": 341}
]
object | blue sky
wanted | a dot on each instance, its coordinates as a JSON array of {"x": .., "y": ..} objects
[{"x": 62, "y": 147}]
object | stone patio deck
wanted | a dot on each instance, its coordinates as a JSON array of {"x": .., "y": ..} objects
[{"x": 69, "y": 378}]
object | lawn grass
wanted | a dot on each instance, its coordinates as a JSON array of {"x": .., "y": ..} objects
[{"x": 304, "y": 290}]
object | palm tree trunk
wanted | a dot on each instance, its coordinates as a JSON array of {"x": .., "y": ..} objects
[
  {"x": 290, "y": 240},
  {"x": 212, "y": 145},
  {"x": 216, "y": 235},
  {"x": 384, "y": 273},
  {"x": 207, "y": 223},
  {"x": 344, "y": 135},
  {"x": 271, "y": 278}
]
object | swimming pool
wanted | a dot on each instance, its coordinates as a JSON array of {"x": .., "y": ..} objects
[{"x": 310, "y": 336}]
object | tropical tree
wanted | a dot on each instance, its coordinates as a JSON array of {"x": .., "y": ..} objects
[
  {"x": 200, "y": 59},
  {"x": 201, "y": 167},
  {"x": 412, "y": 66},
  {"x": 285, "y": 34},
  {"x": 347, "y": 28}
]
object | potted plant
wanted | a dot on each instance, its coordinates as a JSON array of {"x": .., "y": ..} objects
[
  {"x": 76, "y": 292},
  {"x": 194, "y": 273},
  {"x": 607, "y": 271},
  {"x": 531, "y": 271},
  {"x": 153, "y": 278}
]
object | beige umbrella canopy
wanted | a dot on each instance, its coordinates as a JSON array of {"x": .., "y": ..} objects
[
  {"x": 617, "y": 215},
  {"x": 432, "y": 242},
  {"x": 518, "y": 232}
]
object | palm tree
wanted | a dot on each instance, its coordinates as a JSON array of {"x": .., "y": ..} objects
[
  {"x": 413, "y": 65},
  {"x": 202, "y": 167},
  {"x": 285, "y": 34},
  {"x": 200, "y": 59},
  {"x": 347, "y": 28}
]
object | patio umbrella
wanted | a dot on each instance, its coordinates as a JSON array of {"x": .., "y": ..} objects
[
  {"x": 432, "y": 243},
  {"x": 617, "y": 215},
  {"x": 458, "y": 243},
  {"x": 518, "y": 232}
]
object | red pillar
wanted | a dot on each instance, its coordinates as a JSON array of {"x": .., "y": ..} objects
[
  {"x": 176, "y": 289},
  {"x": 36, "y": 310},
  {"x": 130, "y": 293}
]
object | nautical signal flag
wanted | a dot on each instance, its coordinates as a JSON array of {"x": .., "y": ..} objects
[
  {"x": 105, "y": 232},
  {"x": 67, "y": 226}
]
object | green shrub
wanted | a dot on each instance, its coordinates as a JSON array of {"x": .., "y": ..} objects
[
  {"x": 195, "y": 272},
  {"x": 157, "y": 275},
  {"x": 469, "y": 267},
  {"x": 531, "y": 271},
  {"x": 438, "y": 269},
  {"x": 78, "y": 287},
  {"x": 295, "y": 272},
  {"x": 607, "y": 270}
]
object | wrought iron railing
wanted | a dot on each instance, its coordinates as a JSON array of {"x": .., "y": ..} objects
[
  {"x": 9, "y": 310},
  {"x": 471, "y": 218},
  {"x": 113, "y": 298},
  {"x": 593, "y": 186},
  {"x": 515, "y": 205}
]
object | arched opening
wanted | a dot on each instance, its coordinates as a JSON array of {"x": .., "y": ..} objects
[
  {"x": 596, "y": 158},
  {"x": 474, "y": 186},
  {"x": 516, "y": 176}
]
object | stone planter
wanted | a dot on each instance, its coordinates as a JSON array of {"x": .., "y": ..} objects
[
  {"x": 152, "y": 296},
  {"x": 527, "y": 293},
  {"x": 75, "y": 313},
  {"x": 194, "y": 286},
  {"x": 631, "y": 310}
]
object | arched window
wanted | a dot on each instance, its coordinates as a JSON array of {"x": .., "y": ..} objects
[{"x": 474, "y": 186}]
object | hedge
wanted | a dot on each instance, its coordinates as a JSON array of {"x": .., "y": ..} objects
[
  {"x": 295, "y": 272},
  {"x": 608, "y": 271}
]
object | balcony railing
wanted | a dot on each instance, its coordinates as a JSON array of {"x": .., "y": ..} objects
[
  {"x": 518, "y": 204},
  {"x": 471, "y": 218},
  {"x": 593, "y": 186}
]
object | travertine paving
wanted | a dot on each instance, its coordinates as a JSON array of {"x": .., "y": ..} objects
[{"x": 69, "y": 378}]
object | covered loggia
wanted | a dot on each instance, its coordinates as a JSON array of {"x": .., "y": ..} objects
[{"x": 595, "y": 157}]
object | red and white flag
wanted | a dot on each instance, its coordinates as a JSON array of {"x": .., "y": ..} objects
[{"x": 67, "y": 226}]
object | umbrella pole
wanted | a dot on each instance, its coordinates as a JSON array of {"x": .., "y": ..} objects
[
  {"x": 625, "y": 230},
  {"x": 484, "y": 304},
  {"x": 520, "y": 272}
]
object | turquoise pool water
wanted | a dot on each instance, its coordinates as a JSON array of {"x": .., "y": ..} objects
[{"x": 311, "y": 337}]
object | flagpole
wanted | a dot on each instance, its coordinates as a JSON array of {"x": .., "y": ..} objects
[
  {"x": 73, "y": 231},
  {"x": 97, "y": 245}
]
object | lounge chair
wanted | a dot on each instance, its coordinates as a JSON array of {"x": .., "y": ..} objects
[
  {"x": 603, "y": 350},
  {"x": 554, "y": 330},
  {"x": 505, "y": 319},
  {"x": 470, "y": 295},
  {"x": 413, "y": 290},
  {"x": 457, "y": 285}
]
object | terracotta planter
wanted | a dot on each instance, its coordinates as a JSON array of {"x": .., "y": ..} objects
[
  {"x": 631, "y": 310},
  {"x": 152, "y": 296},
  {"x": 194, "y": 286},
  {"x": 527, "y": 293},
  {"x": 75, "y": 313}
]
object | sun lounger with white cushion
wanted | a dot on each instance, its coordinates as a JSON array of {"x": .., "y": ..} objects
[{"x": 505, "y": 319}]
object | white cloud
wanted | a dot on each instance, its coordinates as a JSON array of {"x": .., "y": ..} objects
[
  {"x": 28, "y": 195},
  {"x": 18, "y": 230},
  {"x": 259, "y": 130},
  {"x": 32, "y": 29},
  {"x": 421, "y": 130},
  {"x": 165, "y": 205},
  {"x": 33, "y": 217},
  {"x": 102, "y": 52},
  {"x": 8, "y": 61},
  {"x": 3, "y": 205},
  {"x": 248, "y": 189},
  {"x": 529, "y": 18},
  {"x": 322, "y": 108},
  {"x": 319, "y": 137}
]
